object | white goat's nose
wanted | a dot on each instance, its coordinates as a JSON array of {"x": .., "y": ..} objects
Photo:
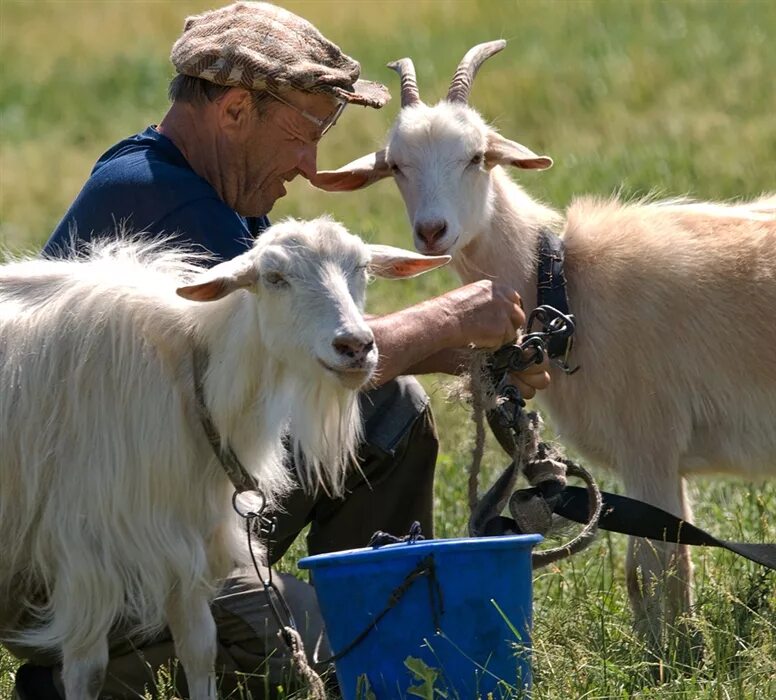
[
  {"x": 430, "y": 231},
  {"x": 354, "y": 346}
]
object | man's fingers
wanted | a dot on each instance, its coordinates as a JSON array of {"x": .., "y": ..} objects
[
  {"x": 517, "y": 316},
  {"x": 538, "y": 368},
  {"x": 530, "y": 380},
  {"x": 526, "y": 390},
  {"x": 538, "y": 380}
]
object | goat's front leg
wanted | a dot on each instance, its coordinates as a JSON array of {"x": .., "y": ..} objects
[
  {"x": 83, "y": 669},
  {"x": 658, "y": 574},
  {"x": 194, "y": 633}
]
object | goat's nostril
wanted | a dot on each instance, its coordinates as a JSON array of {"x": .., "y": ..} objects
[
  {"x": 431, "y": 231},
  {"x": 353, "y": 346},
  {"x": 342, "y": 347}
]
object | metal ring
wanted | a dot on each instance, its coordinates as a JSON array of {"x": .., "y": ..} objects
[{"x": 249, "y": 514}]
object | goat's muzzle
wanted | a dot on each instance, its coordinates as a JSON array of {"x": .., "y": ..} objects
[
  {"x": 354, "y": 347},
  {"x": 353, "y": 358},
  {"x": 430, "y": 233}
]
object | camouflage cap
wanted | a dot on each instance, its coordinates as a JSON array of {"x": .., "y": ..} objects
[{"x": 258, "y": 46}]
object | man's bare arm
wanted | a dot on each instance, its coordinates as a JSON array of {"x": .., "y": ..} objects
[
  {"x": 420, "y": 338},
  {"x": 437, "y": 335}
]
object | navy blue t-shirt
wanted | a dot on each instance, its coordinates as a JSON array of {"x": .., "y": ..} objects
[{"x": 144, "y": 184}]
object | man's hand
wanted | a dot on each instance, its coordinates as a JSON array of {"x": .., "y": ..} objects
[
  {"x": 430, "y": 336},
  {"x": 532, "y": 379},
  {"x": 487, "y": 315}
]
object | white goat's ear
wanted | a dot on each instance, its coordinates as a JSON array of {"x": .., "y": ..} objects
[
  {"x": 221, "y": 280},
  {"x": 360, "y": 173},
  {"x": 396, "y": 263},
  {"x": 501, "y": 151}
]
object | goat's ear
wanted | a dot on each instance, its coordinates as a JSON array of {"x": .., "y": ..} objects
[
  {"x": 221, "y": 280},
  {"x": 360, "y": 173},
  {"x": 395, "y": 263},
  {"x": 501, "y": 151}
]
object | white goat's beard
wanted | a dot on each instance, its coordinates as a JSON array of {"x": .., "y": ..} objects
[{"x": 325, "y": 430}]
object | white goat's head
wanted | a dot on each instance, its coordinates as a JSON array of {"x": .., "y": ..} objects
[
  {"x": 310, "y": 278},
  {"x": 441, "y": 158}
]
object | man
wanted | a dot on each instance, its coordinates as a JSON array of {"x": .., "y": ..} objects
[{"x": 256, "y": 89}]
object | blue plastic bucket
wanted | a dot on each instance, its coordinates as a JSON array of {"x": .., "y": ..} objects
[{"x": 464, "y": 615}]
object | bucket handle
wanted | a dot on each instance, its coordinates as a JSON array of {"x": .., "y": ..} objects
[{"x": 426, "y": 568}]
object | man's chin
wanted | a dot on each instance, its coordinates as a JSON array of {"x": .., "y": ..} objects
[
  {"x": 257, "y": 209},
  {"x": 268, "y": 200},
  {"x": 261, "y": 206}
]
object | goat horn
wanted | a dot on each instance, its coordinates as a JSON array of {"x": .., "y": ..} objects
[
  {"x": 409, "y": 85},
  {"x": 468, "y": 67}
]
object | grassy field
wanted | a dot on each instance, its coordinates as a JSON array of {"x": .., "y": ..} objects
[{"x": 637, "y": 97}]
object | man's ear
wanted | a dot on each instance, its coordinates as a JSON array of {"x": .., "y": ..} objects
[
  {"x": 234, "y": 107},
  {"x": 501, "y": 151},
  {"x": 396, "y": 263},
  {"x": 221, "y": 280},
  {"x": 353, "y": 176}
]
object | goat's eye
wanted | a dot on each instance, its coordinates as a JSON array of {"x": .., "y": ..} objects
[
  {"x": 477, "y": 159},
  {"x": 275, "y": 279},
  {"x": 395, "y": 169}
]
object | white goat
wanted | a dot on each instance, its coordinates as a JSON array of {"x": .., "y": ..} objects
[
  {"x": 113, "y": 507},
  {"x": 672, "y": 301}
]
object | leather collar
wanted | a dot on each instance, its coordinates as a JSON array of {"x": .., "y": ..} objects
[{"x": 551, "y": 287}]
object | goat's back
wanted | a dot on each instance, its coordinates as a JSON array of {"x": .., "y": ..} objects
[
  {"x": 103, "y": 478},
  {"x": 673, "y": 302}
]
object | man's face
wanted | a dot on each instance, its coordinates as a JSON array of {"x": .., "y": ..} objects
[{"x": 275, "y": 146}]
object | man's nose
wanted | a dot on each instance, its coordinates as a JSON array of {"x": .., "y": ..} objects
[{"x": 308, "y": 160}]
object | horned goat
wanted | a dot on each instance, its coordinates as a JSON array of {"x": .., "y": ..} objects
[
  {"x": 114, "y": 507},
  {"x": 664, "y": 392}
]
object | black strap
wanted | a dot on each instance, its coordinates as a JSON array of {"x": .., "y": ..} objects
[
  {"x": 629, "y": 516},
  {"x": 551, "y": 286}
]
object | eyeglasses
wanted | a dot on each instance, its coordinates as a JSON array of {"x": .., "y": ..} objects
[{"x": 323, "y": 124}]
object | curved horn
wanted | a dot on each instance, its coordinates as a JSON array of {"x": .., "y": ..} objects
[
  {"x": 409, "y": 85},
  {"x": 468, "y": 67}
]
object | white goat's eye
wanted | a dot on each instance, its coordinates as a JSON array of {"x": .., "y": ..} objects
[
  {"x": 477, "y": 159},
  {"x": 274, "y": 279}
]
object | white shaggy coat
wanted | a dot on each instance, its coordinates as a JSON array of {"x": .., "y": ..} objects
[{"x": 113, "y": 507}]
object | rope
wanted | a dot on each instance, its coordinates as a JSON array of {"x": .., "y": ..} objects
[
  {"x": 588, "y": 532},
  {"x": 317, "y": 690},
  {"x": 241, "y": 478},
  {"x": 478, "y": 398},
  {"x": 543, "y": 466},
  {"x": 380, "y": 538},
  {"x": 426, "y": 567}
]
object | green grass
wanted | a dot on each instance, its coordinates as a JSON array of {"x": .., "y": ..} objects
[{"x": 637, "y": 97}]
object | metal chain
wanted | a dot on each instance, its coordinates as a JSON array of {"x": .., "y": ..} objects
[
  {"x": 532, "y": 349},
  {"x": 518, "y": 434},
  {"x": 261, "y": 526}
]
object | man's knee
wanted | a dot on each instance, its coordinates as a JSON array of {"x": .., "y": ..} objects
[
  {"x": 391, "y": 413},
  {"x": 251, "y": 655},
  {"x": 251, "y": 652}
]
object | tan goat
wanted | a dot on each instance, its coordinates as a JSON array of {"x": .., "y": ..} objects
[{"x": 674, "y": 304}]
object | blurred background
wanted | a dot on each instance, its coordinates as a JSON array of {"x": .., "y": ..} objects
[{"x": 636, "y": 98}]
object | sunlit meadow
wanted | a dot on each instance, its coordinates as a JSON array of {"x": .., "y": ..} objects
[{"x": 666, "y": 98}]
